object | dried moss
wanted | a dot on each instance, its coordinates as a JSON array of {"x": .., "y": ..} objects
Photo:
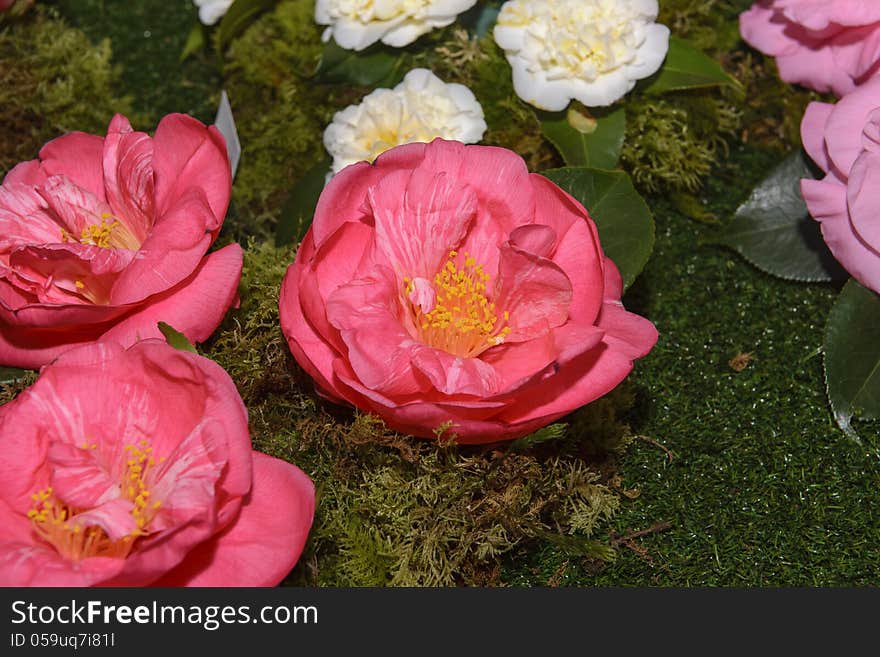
[{"x": 52, "y": 80}]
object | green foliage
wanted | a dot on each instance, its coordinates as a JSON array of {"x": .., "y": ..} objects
[
  {"x": 710, "y": 25},
  {"x": 52, "y": 80}
]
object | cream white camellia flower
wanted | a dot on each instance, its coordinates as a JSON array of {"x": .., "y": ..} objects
[
  {"x": 210, "y": 11},
  {"x": 356, "y": 24},
  {"x": 420, "y": 108},
  {"x": 591, "y": 50}
]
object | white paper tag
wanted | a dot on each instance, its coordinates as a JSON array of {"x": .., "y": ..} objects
[{"x": 226, "y": 125}]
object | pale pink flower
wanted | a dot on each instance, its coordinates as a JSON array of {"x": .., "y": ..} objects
[
  {"x": 446, "y": 286},
  {"x": 826, "y": 45},
  {"x": 844, "y": 141},
  {"x": 103, "y": 237},
  {"x": 134, "y": 467}
]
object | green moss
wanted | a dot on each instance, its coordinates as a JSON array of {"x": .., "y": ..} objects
[
  {"x": 672, "y": 143},
  {"x": 280, "y": 113},
  {"x": 52, "y": 80}
]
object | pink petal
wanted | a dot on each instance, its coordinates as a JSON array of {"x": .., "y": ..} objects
[
  {"x": 534, "y": 291},
  {"x": 419, "y": 217},
  {"x": 195, "y": 306},
  {"x": 311, "y": 350},
  {"x": 454, "y": 375},
  {"x": 78, "y": 157},
  {"x": 813, "y": 133},
  {"x": 28, "y": 561},
  {"x": 814, "y": 68},
  {"x": 171, "y": 253},
  {"x": 366, "y": 312},
  {"x": 578, "y": 252},
  {"x": 189, "y": 155},
  {"x": 863, "y": 198},
  {"x": 843, "y": 129},
  {"x": 26, "y": 173},
  {"x": 819, "y": 14},
  {"x": 766, "y": 30},
  {"x": 78, "y": 476},
  {"x": 128, "y": 176},
  {"x": 24, "y": 218},
  {"x": 266, "y": 539}
]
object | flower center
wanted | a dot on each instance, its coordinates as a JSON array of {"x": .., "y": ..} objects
[
  {"x": 63, "y": 527},
  {"x": 110, "y": 233},
  {"x": 461, "y": 320}
]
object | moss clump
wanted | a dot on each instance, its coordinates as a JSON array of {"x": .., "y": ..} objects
[
  {"x": 9, "y": 390},
  {"x": 709, "y": 24},
  {"x": 280, "y": 114},
  {"x": 52, "y": 80},
  {"x": 673, "y": 142}
]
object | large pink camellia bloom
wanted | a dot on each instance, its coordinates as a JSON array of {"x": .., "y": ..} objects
[
  {"x": 844, "y": 140},
  {"x": 446, "y": 286},
  {"x": 134, "y": 467},
  {"x": 102, "y": 237},
  {"x": 826, "y": 45}
]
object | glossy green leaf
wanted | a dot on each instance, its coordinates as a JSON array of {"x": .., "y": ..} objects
[
  {"x": 686, "y": 67},
  {"x": 626, "y": 226},
  {"x": 852, "y": 355},
  {"x": 299, "y": 208},
  {"x": 377, "y": 66},
  {"x": 175, "y": 338},
  {"x": 588, "y": 140},
  {"x": 10, "y": 374},
  {"x": 774, "y": 231},
  {"x": 237, "y": 17},
  {"x": 195, "y": 41},
  {"x": 480, "y": 19}
]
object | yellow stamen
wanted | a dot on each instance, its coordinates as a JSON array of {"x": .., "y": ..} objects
[
  {"x": 56, "y": 522},
  {"x": 463, "y": 321}
]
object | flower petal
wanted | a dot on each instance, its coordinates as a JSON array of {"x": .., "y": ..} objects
[{"x": 266, "y": 539}]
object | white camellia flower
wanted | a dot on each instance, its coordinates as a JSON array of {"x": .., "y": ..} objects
[
  {"x": 420, "y": 108},
  {"x": 591, "y": 50},
  {"x": 356, "y": 24},
  {"x": 210, "y": 11}
]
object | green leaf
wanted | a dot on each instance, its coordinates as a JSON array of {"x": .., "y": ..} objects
[
  {"x": 852, "y": 355},
  {"x": 479, "y": 19},
  {"x": 543, "y": 435},
  {"x": 588, "y": 140},
  {"x": 376, "y": 66},
  {"x": 239, "y": 14},
  {"x": 175, "y": 338},
  {"x": 11, "y": 374},
  {"x": 686, "y": 67},
  {"x": 774, "y": 231},
  {"x": 299, "y": 208},
  {"x": 626, "y": 227},
  {"x": 194, "y": 42}
]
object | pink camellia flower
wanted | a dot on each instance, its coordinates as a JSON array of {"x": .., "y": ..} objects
[
  {"x": 844, "y": 141},
  {"x": 446, "y": 286},
  {"x": 826, "y": 45},
  {"x": 134, "y": 467},
  {"x": 103, "y": 237}
]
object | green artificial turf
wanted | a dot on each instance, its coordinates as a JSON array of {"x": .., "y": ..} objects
[{"x": 762, "y": 488}]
